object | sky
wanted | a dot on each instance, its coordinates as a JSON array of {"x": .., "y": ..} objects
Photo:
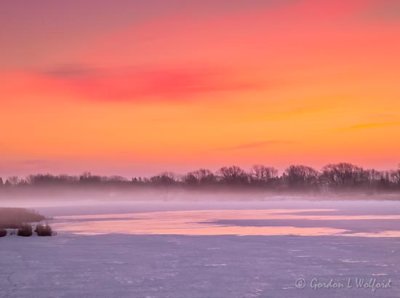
[{"x": 133, "y": 87}]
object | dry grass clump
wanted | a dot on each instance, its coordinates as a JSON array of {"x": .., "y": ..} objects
[
  {"x": 25, "y": 230},
  {"x": 43, "y": 230},
  {"x": 3, "y": 232}
]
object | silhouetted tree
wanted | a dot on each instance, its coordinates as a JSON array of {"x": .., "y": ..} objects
[
  {"x": 375, "y": 179},
  {"x": 344, "y": 175},
  {"x": 299, "y": 176},
  {"x": 88, "y": 178},
  {"x": 115, "y": 180},
  {"x": 395, "y": 177},
  {"x": 233, "y": 175},
  {"x": 49, "y": 180},
  {"x": 166, "y": 178},
  {"x": 13, "y": 181},
  {"x": 139, "y": 180},
  {"x": 200, "y": 177},
  {"x": 262, "y": 175}
]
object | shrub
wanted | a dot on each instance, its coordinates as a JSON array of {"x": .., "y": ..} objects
[
  {"x": 3, "y": 232},
  {"x": 25, "y": 230},
  {"x": 43, "y": 230}
]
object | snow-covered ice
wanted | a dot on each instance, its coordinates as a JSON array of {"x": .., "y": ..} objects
[{"x": 156, "y": 263}]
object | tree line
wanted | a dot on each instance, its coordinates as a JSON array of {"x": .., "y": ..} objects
[{"x": 341, "y": 176}]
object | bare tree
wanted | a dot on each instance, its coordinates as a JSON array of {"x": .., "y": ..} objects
[
  {"x": 200, "y": 177},
  {"x": 14, "y": 180},
  {"x": 166, "y": 178},
  {"x": 233, "y": 175},
  {"x": 299, "y": 176},
  {"x": 395, "y": 177},
  {"x": 344, "y": 175},
  {"x": 88, "y": 178},
  {"x": 261, "y": 174}
]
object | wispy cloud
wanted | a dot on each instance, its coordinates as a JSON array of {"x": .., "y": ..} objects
[
  {"x": 32, "y": 162},
  {"x": 371, "y": 125},
  {"x": 144, "y": 83},
  {"x": 70, "y": 71},
  {"x": 254, "y": 145}
]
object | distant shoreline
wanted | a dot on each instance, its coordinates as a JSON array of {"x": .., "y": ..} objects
[{"x": 13, "y": 218}]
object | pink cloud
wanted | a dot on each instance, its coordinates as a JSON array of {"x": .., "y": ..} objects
[
  {"x": 134, "y": 84},
  {"x": 260, "y": 144}
]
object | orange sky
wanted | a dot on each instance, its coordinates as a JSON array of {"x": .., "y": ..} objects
[{"x": 138, "y": 87}]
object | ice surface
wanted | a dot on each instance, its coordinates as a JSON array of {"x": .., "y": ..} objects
[{"x": 214, "y": 266}]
